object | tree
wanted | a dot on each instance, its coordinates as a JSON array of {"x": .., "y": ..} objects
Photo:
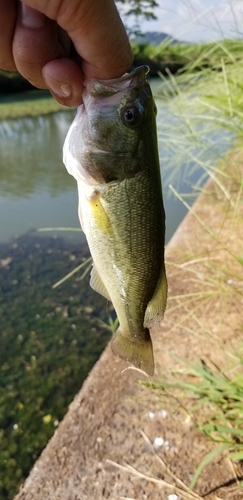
[{"x": 137, "y": 9}]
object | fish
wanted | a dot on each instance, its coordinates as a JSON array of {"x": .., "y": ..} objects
[{"x": 111, "y": 150}]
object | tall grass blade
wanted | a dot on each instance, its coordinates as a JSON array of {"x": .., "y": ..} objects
[
  {"x": 207, "y": 460},
  {"x": 87, "y": 262}
]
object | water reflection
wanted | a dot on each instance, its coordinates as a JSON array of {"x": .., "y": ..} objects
[
  {"x": 35, "y": 189},
  {"x": 31, "y": 155}
]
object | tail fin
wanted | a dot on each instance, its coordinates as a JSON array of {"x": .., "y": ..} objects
[{"x": 139, "y": 353}]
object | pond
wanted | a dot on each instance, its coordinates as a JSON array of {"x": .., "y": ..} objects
[{"x": 50, "y": 338}]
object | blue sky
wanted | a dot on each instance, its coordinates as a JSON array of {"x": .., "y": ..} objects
[{"x": 198, "y": 20}]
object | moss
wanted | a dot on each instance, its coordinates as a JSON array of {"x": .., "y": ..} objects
[{"x": 50, "y": 339}]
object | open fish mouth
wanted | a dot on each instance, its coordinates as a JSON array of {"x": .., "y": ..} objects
[{"x": 137, "y": 77}]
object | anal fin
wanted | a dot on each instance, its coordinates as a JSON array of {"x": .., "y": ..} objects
[
  {"x": 97, "y": 284},
  {"x": 156, "y": 306}
]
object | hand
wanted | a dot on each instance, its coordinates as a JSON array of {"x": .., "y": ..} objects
[{"x": 55, "y": 44}]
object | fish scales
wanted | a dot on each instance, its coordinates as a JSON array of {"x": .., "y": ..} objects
[
  {"x": 127, "y": 247},
  {"x": 121, "y": 208}
]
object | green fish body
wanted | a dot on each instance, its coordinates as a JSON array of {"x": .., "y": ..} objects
[{"x": 111, "y": 149}]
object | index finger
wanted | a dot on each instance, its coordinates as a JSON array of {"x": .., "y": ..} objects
[{"x": 7, "y": 24}]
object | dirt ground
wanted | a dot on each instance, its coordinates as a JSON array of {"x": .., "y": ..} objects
[{"x": 116, "y": 420}]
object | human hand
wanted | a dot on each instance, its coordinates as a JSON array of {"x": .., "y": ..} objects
[{"x": 55, "y": 44}]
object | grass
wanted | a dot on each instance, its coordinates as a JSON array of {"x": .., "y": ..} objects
[
  {"x": 206, "y": 108},
  {"x": 29, "y": 103},
  {"x": 189, "y": 57},
  {"x": 176, "y": 485},
  {"x": 220, "y": 397}
]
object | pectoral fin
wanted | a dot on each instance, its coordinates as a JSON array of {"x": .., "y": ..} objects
[
  {"x": 97, "y": 284},
  {"x": 80, "y": 217},
  {"x": 156, "y": 306}
]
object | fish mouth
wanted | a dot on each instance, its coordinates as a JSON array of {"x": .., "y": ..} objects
[
  {"x": 136, "y": 78},
  {"x": 139, "y": 73}
]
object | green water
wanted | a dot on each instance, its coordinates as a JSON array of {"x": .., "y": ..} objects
[{"x": 49, "y": 341}]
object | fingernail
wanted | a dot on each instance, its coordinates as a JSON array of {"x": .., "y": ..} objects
[
  {"x": 31, "y": 18},
  {"x": 58, "y": 88}
]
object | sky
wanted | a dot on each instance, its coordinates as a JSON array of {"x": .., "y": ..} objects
[{"x": 198, "y": 20}]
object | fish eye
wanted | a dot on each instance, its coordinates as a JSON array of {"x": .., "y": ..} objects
[{"x": 131, "y": 116}]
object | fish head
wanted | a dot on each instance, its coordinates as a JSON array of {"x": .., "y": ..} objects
[{"x": 106, "y": 140}]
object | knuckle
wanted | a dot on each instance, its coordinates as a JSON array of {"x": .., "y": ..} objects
[{"x": 24, "y": 54}]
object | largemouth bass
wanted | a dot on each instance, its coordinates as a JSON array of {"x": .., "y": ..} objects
[{"x": 111, "y": 150}]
